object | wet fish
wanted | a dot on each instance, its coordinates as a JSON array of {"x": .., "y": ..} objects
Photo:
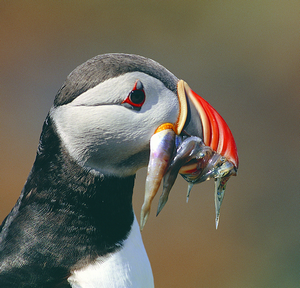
[
  {"x": 171, "y": 155},
  {"x": 197, "y": 163},
  {"x": 162, "y": 146}
]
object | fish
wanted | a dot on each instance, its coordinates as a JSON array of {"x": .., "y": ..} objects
[{"x": 172, "y": 154}]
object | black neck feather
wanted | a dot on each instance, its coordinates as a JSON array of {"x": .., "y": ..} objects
[{"x": 67, "y": 216}]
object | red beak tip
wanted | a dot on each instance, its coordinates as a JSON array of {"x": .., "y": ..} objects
[{"x": 216, "y": 132}]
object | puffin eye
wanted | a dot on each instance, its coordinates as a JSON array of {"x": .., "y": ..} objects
[{"x": 136, "y": 97}]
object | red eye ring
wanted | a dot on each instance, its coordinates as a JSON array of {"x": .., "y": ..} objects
[{"x": 136, "y": 98}]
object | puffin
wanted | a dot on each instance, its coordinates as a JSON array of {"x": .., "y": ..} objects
[{"x": 73, "y": 224}]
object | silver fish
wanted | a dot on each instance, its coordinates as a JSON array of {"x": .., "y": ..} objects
[
  {"x": 161, "y": 150},
  {"x": 197, "y": 163}
]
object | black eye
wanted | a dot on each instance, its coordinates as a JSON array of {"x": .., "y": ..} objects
[{"x": 136, "y": 97}]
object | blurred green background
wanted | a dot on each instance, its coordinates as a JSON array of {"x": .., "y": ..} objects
[{"x": 241, "y": 56}]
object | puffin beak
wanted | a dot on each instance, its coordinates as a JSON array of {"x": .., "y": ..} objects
[{"x": 199, "y": 146}]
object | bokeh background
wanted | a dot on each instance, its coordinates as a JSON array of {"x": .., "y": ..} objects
[{"x": 243, "y": 57}]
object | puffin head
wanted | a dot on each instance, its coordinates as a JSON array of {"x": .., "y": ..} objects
[{"x": 117, "y": 113}]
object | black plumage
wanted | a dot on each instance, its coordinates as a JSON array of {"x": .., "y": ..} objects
[{"x": 65, "y": 218}]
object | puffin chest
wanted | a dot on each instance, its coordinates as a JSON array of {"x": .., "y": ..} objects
[{"x": 127, "y": 267}]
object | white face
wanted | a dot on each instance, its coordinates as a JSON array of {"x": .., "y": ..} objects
[{"x": 101, "y": 134}]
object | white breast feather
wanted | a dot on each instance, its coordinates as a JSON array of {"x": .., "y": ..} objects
[{"x": 127, "y": 268}]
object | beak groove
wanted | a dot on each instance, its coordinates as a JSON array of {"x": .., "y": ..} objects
[{"x": 216, "y": 132}]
